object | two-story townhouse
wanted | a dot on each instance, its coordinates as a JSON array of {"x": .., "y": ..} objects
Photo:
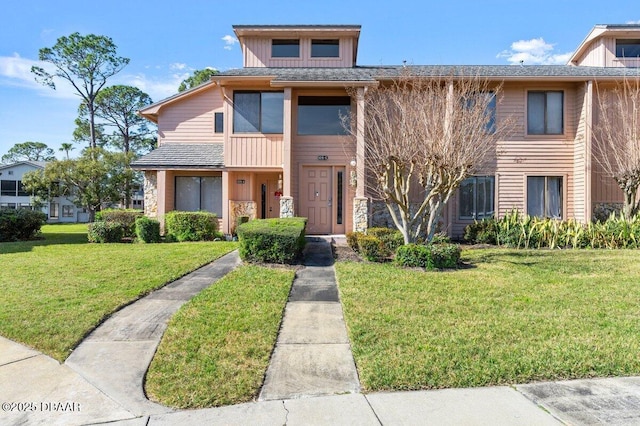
[
  {"x": 267, "y": 140},
  {"x": 14, "y": 196}
]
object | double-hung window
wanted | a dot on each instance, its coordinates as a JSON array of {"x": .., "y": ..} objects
[
  {"x": 258, "y": 112},
  {"x": 544, "y": 196},
  {"x": 545, "y": 113},
  {"x": 476, "y": 199}
]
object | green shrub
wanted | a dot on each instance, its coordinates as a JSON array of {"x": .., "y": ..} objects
[
  {"x": 371, "y": 248},
  {"x": 391, "y": 238},
  {"x": 352, "y": 240},
  {"x": 191, "y": 226},
  {"x": 430, "y": 256},
  {"x": 272, "y": 240},
  {"x": 239, "y": 221},
  {"x": 414, "y": 256},
  {"x": 125, "y": 217},
  {"x": 20, "y": 224},
  {"x": 105, "y": 232},
  {"x": 147, "y": 230},
  {"x": 481, "y": 232},
  {"x": 445, "y": 255}
]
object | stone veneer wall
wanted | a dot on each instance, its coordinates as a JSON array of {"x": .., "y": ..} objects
[
  {"x": 360, "y": 214},
  {"x": 241, "y": 208},
  {"x": 602, "y": 211},
  {"x": 151, "y": 194},
  {"x": 286, "y": 207}
]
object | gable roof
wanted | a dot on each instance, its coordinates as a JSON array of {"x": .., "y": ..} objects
[
  {"x": 151, "y": 111},
  {"x": 36, "y": 164},
  {"x": 182, "y": 156},
  {"x": 616, "y": 30}
]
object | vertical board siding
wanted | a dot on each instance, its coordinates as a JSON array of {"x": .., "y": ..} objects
[
  {"x": 191, "y": 120},
  {"x": 258, "y": 54},
  {"x": 259, "y": 151},
  {"x": 579, "y": 158}
]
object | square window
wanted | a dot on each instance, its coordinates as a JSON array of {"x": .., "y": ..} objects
[
  {"x": 219, "y": 122},
  {"x": 258, "y": 112},
  {"x": 545, "y": 113},
  {"x": 195, "y": 193},
  {"x": 325, "y": 48},
  {"x": 544, "y": 196},
  {"x": 8, "y": 188},
  {"x": 285, "y": 48},
  {"x": 67, "y": 211}
]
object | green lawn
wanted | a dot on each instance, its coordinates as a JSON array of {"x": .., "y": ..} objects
[
  {"x": 216, "y": 349},
  {"x": 56, "y": 290},
  {"x": 510, "y": 317}
]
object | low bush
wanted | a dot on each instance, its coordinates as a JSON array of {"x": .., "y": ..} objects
[
  {"x": 125, "y": 217},
  {"x": 430, "y": 256},
  {"x": 20, "y": 224},
  {"x": 371, "y": 248},
  {"x": 272, "y": 240},
  {"x": 481, "y": 232},
  {"x": 391, "y": 238},
  {"x": 191, "y": 226},
  {"x": 352, "y": 240},
  {"x": 105, "y": 232},
  {"x": 414, "y": 256},
  {"x": 147, "y": 230}
]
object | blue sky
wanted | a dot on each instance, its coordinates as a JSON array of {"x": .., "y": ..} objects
[{"x": 167, "y": 40}]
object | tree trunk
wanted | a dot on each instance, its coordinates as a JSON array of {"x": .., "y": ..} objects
[{"x": 92, "y": 125}]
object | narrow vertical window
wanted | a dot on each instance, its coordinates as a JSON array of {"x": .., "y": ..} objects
[
  {"x": 339, "y": 198},
  {"x": 219, "y": 122}
]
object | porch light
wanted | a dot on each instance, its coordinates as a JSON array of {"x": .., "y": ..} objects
[
  {"x": 279, "y": 181},
  {"x": 353, "y": 162}
]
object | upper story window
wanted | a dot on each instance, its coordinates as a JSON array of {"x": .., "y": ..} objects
[
  {"x": 218, "y": 125},
  {"x": 285, "y": 48},
  {"x": 545, "y": 114},
  {"x": 323, "y": 115},
  {"x": 8, "y": 187},
  {"x": 628, "y": 48},
  {"x": 258, "y": 112},
  {"x": 325, "y": 48}
]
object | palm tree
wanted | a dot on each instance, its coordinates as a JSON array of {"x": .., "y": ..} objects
[{"x": 66, "y": 147}]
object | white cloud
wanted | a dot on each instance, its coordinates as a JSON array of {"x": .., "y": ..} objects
[
  {"x": 158, "y": 87},
  {"x": 534, "y": 52},
  {"x": 634, "y": 22},
  {"x": 177, "y": 66},
  {"x": 16, "y": 71},
  {"x": 229, "y": 41}
]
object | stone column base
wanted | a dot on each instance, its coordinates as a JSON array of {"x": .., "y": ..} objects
[
  {"x": 151, "y": 194},
  {"x": 286, "y": 207},
  {"x": 360, "y": 214}
]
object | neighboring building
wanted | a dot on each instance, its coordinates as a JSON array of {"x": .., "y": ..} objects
[
  {"x": 13, "y": 195},
  {"x": 266, "y": 140}
]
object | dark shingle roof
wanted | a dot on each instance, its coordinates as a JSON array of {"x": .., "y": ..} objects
[
  {"x": 373, "y": 73},
  {"x": 183, "y": 156}
]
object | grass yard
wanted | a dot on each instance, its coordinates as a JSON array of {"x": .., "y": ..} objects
[
  {"x": 513, "y": 316},
  {"x": 216, "y": 349},
  {"x": 56, "y": 290}
]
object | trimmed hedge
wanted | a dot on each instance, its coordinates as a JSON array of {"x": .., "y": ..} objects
[
  {"x": 125, "y": 217},
  {"x": 21, "y": 224},
  {"x": 376, "y": 244},
  {"x": 191, "y": 226},
  {"x": 391, "y": 238},
  {"x": 431, "y": 256},
  {"x": 371, "y": 248},
  {"x": 147, "y": 230},
  {"x": 272, "y": 240},
  {"x": 105, "y": 232}
]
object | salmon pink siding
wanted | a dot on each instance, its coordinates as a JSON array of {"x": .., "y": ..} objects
[
  {"x": 602, "y": 53},
  {"x": 191, "y": 120},
  {"x": 581, "y": 162},
  {"x": 254, "y": 151},
  {"x": 257, "y": 53}
]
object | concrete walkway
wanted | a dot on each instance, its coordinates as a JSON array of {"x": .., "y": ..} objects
[
  {"x": 102, "y": 380},
  {"x": 312, "y": 355}
]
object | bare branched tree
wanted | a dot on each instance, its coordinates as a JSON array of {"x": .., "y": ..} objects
[
  {"x": 617, "y": 138},
  {"x": 432, "y": 132}
]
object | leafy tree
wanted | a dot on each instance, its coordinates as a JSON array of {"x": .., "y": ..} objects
[
  {"x": 66, "y": 147},
  {"x": 198, "y": 77},
  {"x": 118, "y": 106},
  {"x": 82, "y": 132},
  {"x": 617, "y": 139},
  {"x": 94, "y": 180},
  {"x": 29, "y": 151},
  {"x": 424, "y": 136},
  {"x": 86, "y": 62}
]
